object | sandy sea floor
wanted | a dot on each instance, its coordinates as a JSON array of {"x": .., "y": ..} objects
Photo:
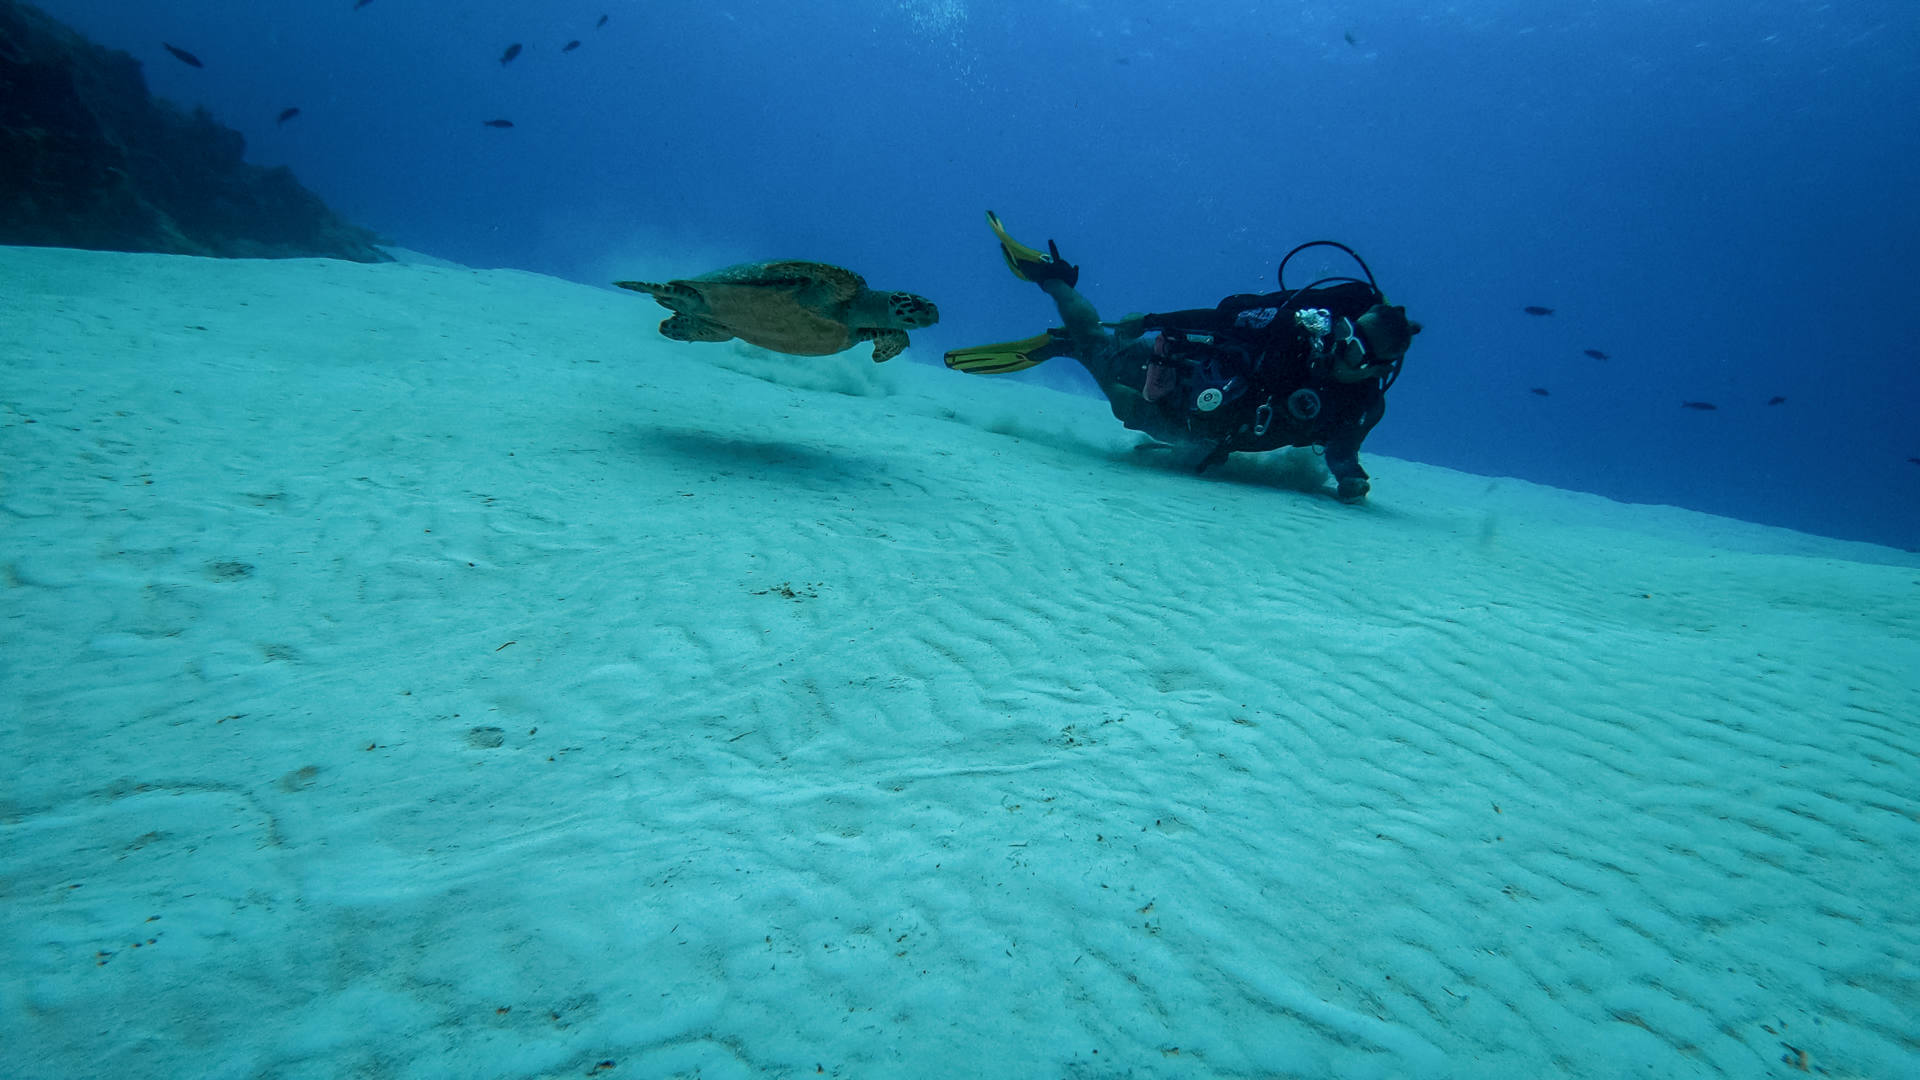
[{"x": 410, "y": 671}]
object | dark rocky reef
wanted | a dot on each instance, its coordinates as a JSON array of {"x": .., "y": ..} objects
[{"x": 89, "y": 160}]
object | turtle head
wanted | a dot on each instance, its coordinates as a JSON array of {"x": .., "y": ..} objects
[{"x": 910, "y": 312}]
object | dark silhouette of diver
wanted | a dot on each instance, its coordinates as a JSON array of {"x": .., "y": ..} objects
[{"x": 1297, "y": 367}]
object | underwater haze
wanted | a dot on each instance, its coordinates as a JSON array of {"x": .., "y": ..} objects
[
  {"x": 1714, "y": 196},
  {"x": 424, "y": 668}
]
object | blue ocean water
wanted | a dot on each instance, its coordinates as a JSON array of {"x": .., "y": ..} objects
[{"x": 1716, "y": 196}]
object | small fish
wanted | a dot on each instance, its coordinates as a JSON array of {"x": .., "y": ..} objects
[
  {"x": 1776, "y": 400},
  {"x": 358, "y": 4},
  {"x": 183, "y": 55},
  {"x": 513, "y": 50},
  {"x": 570, "y": 46},
  {"x": 1596, "y": 354},
  {"x": 1351, "y": 40},
  {"x": 601, "y": 23},
  {"x": 1913, "y": 461},
  {"x": 1541, "y": 391},
  {"x": 498, "y": 123},
  {"x": 1703, "y": 406},
  {"x": 1535, "y": 309}
]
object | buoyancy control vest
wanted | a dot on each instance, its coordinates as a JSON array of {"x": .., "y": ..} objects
[{"x": 1256, "y": 372}]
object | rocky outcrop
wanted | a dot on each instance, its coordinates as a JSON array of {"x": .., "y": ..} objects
[{"x": 88, "y": 159}]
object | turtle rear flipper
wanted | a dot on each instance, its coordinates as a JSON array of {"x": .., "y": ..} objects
[
  {"x": 695, "y": 328},
  {"x": 887, "y": 344},
  {"x": 673, "y": 295}
]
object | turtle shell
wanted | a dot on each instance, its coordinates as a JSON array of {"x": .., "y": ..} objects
[{"x": 788, "y": 306}]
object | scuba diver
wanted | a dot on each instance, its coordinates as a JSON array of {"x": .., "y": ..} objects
[{"x": 1298, "y": 367}]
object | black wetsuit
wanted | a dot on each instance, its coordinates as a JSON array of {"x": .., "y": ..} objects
[{"x": 1274, "y": 389}]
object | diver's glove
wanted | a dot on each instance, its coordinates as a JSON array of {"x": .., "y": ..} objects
[
  {"x": 1352, "y": 489},
  {"x": 1029, "y": 264}
]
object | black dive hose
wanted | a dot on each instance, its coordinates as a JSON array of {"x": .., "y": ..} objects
[{"x": 1287, "y": 304}]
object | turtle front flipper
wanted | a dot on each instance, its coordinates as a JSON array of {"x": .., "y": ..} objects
[
  {"x": 887, "y": 344},
  {"x": 695, "y": 328}
]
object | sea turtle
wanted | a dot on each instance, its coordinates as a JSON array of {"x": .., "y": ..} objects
[{"x": 789, "y": 306}]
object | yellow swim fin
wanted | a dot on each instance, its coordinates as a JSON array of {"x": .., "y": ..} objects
[
  {"x": 1014, "y": 251},
  {"x": 1007, "y": 356}
]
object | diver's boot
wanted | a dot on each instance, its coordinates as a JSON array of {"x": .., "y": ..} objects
[{"x": 1030, "y": 264}]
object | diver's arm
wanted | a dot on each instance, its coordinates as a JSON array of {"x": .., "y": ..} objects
[
  {"x": 1343, "y": 457},
  {"x": 1343, "y": 451},
  {"x": 1343, "y": 461}
]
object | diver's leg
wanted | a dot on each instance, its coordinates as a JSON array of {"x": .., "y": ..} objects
[
  {"x": 1096, "y": 349},
  {"x": 1123, "y": 367},
  {"x": 1083, "y": 322},
  {"x": 1119, "y": 368}
]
